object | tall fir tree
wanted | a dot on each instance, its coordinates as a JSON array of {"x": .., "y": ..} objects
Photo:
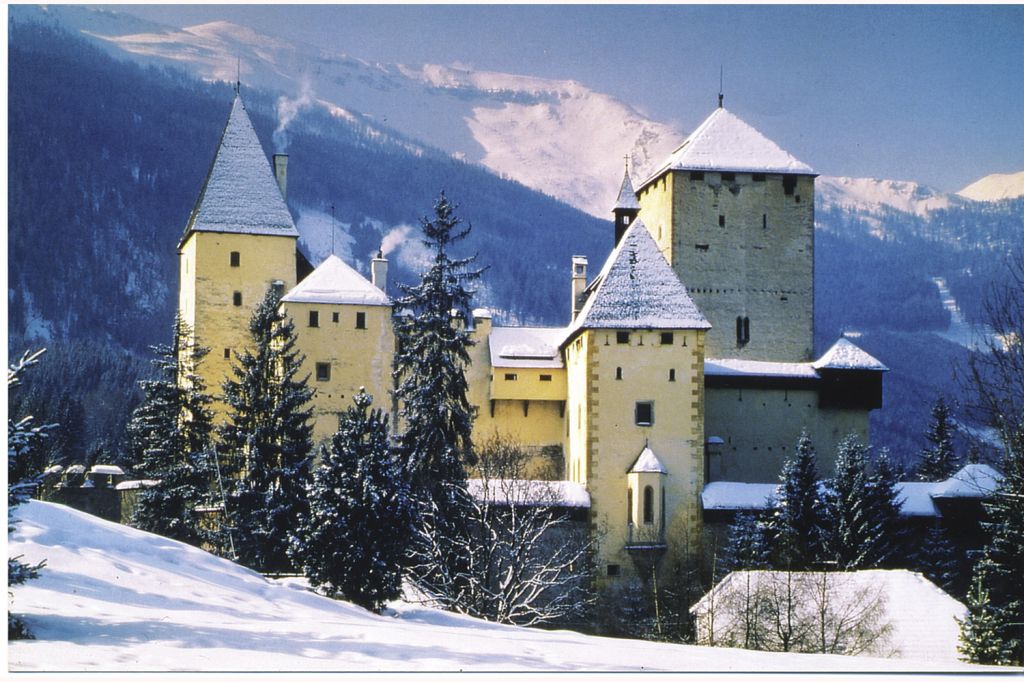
[
  {"x": 746, "y": 547},
  {"x": 886, "y": 504},
  {"x": 360, "y": 518},
  {"x": 983, "y": 631},
  {"x": 795, "y": 529},
  {"x": 432, "y": 353},
  {"x": 24, "y": 442},
  {"x": 936, "y": 558},
  {"x": 267, "y": 440},
  {"x": 938, "y": 461},
  {"x": 169, "y": 436}
]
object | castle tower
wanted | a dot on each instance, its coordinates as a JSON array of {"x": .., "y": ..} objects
[
  {"x": 344, "y": 331},
  {"x": 626, "y": 207},
  {"x": 634, "y": 410},
  {"x": 240, "y": 239},
  {"x": 734, "y": 215}
]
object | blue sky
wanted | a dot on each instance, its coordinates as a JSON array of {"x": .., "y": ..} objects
[{"x": 928, "y": 93}]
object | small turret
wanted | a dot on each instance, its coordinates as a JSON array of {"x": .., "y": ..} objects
[
  {"x": 626, "y": 206},
  {"x": 579, "y": 283}
]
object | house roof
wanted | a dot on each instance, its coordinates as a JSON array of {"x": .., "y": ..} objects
[
  {"x": 647, "y": 463},
  {"x": 723, "y": 142},
  {"x": 627, "y": 195},
  {"x": 333, "y": 282},
  {"x": 844, "y": 354},
  {"x": 526, "y": 347},
  {"x": 732, "y": 367},
  {"x": 973, "y": 480},
  {"x": 240, "y": 193},
  {"x": 637, "y": 289}
]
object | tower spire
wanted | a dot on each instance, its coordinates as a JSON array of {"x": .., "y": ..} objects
[
  {"x": 238, "y": 75},
  {"x": 626, "y": 206},
  {"x": 721, "y": 77}
]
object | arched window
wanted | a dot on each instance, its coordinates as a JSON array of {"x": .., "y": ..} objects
[
  {"x": 629, "y": 506},
  {"x": 648, "y": 504}
]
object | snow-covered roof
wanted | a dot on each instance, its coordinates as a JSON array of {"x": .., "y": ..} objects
[
  {"x": 723, "y": 142},
  {"x": 240, "y": 193},
  {"x": 529, "y": 493},
  {"x": 734, "y": 496},
  {"x": 730, "y": 367},
  {"x": 106, "y": 470},
  {"x": 136, "y": 485},
  {"x": 75, "y": 469},
  {"x": 526, "y": 347},
  {"x": 647, "y": 463},
  {"x": 973, "y": 480},
  {"x": 334, "y": 281},
  {"x": 481, "y": 314},
  {"x": 627, "y": 195},
  {"x": 53, "y": 470},
  {"x": 844, "y": 354},
  {"x": 637, "y": 289},
  {"x": 922, "y": 617}
]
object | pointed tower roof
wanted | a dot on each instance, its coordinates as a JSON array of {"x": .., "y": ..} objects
[
  {"x": 240, "y": 193},
  {"x": 637, "y": 289},
  {"x": 725, "y": 143},
  {"x": 334, "y": 281},
  {"x": 844, "y": 354},
  {"x": 647, "y": 463},
  {"x": 627, "y": 196}
]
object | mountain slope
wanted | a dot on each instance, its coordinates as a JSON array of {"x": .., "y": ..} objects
[
  {"x": 995, "y": 187},
  {"x": 112, "y": 598},
  {"x": 557, "y": 137}
]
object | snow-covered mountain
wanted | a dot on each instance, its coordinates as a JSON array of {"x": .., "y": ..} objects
[
  {"x": 558, "y": 137},
  {"x": 112, "y": 598},
  {"x": 871, "y": 195},
  {"x": 995, "y": 187}
]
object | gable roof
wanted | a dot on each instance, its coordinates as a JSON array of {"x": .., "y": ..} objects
[
  {"x": 525, "y": 347},
  {"x": 844, "y": 354},
  {"x": 723, "y": 142},
  {"x": 240, "y": 193},
  {"x": 637, "y": 289},
  {"x": 334, "y": 281},
  {"x": 647, "y": 463}
]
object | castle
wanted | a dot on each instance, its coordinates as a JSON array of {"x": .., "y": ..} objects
[{"x": 688, "y": 359}]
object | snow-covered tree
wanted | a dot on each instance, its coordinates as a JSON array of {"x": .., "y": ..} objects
[
  {"x": 355, "y": 536},
  {"x": 936, "y": 560},
  {"x": 170, "y": 439},
  {"x": 983, "y": 632},
  {"x": 862, "y": 510},
  {"x": 432, "y": 352},
  {"x": 938, "y": 461},
  {"x": 267, "y": 440},
  {"x": 795, "y": 528},
  {"x": 23, "y": 441},
  {"x": 746, "y": 547}
]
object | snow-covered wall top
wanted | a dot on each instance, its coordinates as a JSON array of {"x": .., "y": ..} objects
[
  {"x": 334, "y": 281},
  {"x": 240, "y": 193},
  {"x": 529, "y": 493},
  {"x": 535, "y": 347}
]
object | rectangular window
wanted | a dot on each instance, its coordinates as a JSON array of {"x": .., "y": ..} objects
[
  {"x": 613, "y": 570},
  {"x": 236, "y": 298},
  {"x": 701, "y": 247},
  {"x": 757, "y": 177},
  {"x": 545, "y": 377},
  {"x": 671, "y": 375},
  {"x": 511, "y": 376},
  {"x": 360, "y": 320},
  {"x": 721, "y": 221},
  {"x": 314, "y": 318},
  {"x": 621, "y": 337},
  {"x": 764, "y": 221},
  {"x": 728, "y": 177},
  {"x": 788, "y": 184},
  {"x": 667, "y": 338},
  {"x": 323, "y": 371},
  {"x": 227, "y": 353},
  {"x": 645, "y": 413},
  {"x": 335, "y": 317},
  {"x": 236, "y": 259}
]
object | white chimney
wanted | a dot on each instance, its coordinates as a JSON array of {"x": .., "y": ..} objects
[
  {"x": 379, "y": 272},
  {"x": 281, "y": 173},
  {"x": 579, "y": 282}
]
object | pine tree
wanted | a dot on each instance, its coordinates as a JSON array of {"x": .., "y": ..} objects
[
  {"x": 267, "y": 440},
  {"x": 939, "y": 461},
  {"x": 170, "y": 438},
  {"x": 982, "y": 632},
  {"x": 886, "y": 506},
  {"x": 796, "y": 527},
  {"x": 936, "y": 559},
  {"x": 360, "y": 513},
  {"x": 24, "y": 441},
  {"x": 746, "y": 548},
  {"x": 432, "y": 352}
]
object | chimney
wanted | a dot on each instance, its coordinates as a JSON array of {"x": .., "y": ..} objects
[
  {"x": 379, "y": 272},
  {"x": 281, "y": 173},
  {"x": 579, "y": 282}
]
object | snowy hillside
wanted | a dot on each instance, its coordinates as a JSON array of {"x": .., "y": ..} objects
[
  {"x": 870, "y": 195},
  {"x": 114, "y": 598},
  {"x": 995, "y": 187},
  {"x": 558, "y": 137}
]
